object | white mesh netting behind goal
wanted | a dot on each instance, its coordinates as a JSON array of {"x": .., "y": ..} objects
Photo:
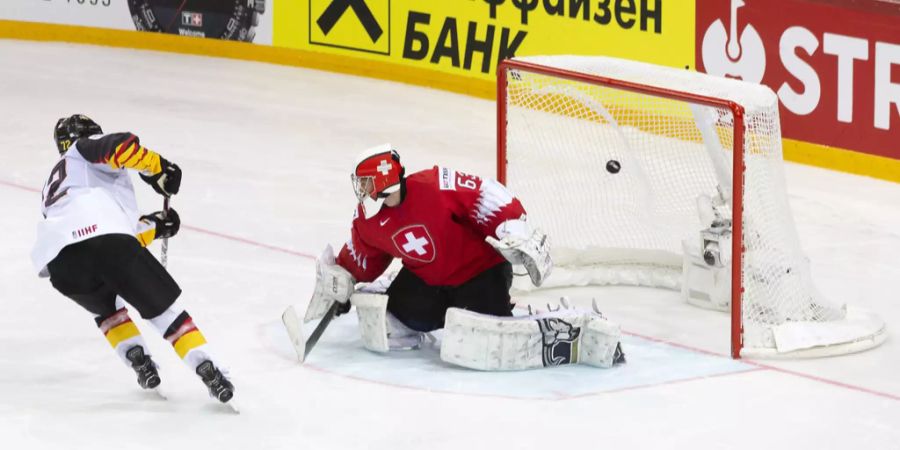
[{"x": 629, "y": 167}]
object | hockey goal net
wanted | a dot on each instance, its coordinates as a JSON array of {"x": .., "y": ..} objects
[{"x": 651, "y": 176}]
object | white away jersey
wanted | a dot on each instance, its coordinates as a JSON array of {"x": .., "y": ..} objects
[{"x": 89, "y": 193}]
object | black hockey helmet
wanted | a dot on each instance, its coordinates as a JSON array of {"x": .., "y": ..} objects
[{"x": 70, "y": 129}]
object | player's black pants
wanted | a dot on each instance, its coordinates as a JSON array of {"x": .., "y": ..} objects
[
  {"x": 422, "y": 307},
  {"x": 94, "y": 271}
]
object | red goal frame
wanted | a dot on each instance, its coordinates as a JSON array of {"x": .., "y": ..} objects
[{"x": 737, "y": 111}]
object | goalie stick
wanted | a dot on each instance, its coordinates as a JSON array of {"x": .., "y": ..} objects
[
  {"x": 303, "y": 345},
  {"x": 164, "y": 252}
]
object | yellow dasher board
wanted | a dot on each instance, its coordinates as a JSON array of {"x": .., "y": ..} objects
[{"x": 468, "y": 37}]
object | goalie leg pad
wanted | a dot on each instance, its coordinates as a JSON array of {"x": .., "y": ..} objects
[
  {"x": 381, "y": 331},
  {"x": 484, "y": 342},
  {"x": 372, "y": 312},
  {"x": 600, "y": 342}
]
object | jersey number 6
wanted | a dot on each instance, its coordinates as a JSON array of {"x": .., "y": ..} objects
[{"x": 466, "y": 181}]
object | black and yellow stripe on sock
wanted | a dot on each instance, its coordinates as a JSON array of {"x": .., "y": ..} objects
[
  {"x": 184, "y": 335},
  {"x": 119, "y": 328}
]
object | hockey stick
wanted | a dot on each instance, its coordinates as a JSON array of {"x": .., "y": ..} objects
[
  {"x": 164, "y": 252},
  {"x": 303, "y": 345}
]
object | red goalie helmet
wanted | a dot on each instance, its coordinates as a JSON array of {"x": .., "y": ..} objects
[{"x": 377, "y": 174}]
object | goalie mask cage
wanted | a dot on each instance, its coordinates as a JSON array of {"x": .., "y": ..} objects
[{"x": 637, "y": 172}]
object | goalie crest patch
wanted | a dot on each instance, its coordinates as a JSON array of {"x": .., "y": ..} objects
[{"x": 560, "y": 341}]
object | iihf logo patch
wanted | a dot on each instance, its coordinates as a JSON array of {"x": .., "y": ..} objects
[
  {"x": 82, "y": 232},
  {"x": 560, "y": 340}
]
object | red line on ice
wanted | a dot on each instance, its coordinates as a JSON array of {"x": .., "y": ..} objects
[{"x": 760, "y": 366}]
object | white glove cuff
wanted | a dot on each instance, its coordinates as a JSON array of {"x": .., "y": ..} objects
[{"x": 517, "y": 228}]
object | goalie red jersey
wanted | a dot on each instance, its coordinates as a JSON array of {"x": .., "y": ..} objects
[{"x": 437, "y": 230}]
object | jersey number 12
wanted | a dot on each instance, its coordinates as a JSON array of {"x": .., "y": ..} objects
[{"x": 57, "y": 175}]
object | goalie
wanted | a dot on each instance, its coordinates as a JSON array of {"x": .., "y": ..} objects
[{"x": 457, "y": 236}]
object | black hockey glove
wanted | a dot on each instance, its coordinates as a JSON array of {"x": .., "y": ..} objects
[
  {"x": 165, "y": 227},
  {"x": 167, "y": 181}
]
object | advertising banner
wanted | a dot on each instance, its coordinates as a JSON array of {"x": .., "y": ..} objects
[
  {"x": 237, "y": 20},
  {"x": 469, "y": 37},
  {"x": 834, "y": 65}
]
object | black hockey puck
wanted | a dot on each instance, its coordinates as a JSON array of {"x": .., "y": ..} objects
[{"x": 613, "y": 166}]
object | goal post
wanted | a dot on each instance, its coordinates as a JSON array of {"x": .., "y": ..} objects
[{"x": 652, "y": 176}]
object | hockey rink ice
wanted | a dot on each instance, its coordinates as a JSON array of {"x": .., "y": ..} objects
[{"x": 266, "y": 153}]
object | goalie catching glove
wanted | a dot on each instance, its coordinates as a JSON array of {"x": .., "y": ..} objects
[
  {"x": 333, "y": 284},
  {"x": 519, "y": 244}
]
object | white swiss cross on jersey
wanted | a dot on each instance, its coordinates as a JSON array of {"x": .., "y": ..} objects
[{"x": 415, "y": 243}]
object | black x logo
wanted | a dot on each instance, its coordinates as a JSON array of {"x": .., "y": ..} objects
[{"x": 336, "y": 10}]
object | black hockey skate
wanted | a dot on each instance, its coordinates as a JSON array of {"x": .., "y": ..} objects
[
  {"x": 148, "y": 376},
  {"x": 219, "y": 386},
  {"x": 618, "y": 355}
]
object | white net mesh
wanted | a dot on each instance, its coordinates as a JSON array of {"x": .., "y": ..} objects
[{"x": 614, "y": 176}]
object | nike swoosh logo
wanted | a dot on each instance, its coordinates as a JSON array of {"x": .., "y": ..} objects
[{"x": 382, "y": 222}]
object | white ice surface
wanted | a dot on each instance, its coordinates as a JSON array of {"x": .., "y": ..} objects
[{"x": 266, "y": 152}]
